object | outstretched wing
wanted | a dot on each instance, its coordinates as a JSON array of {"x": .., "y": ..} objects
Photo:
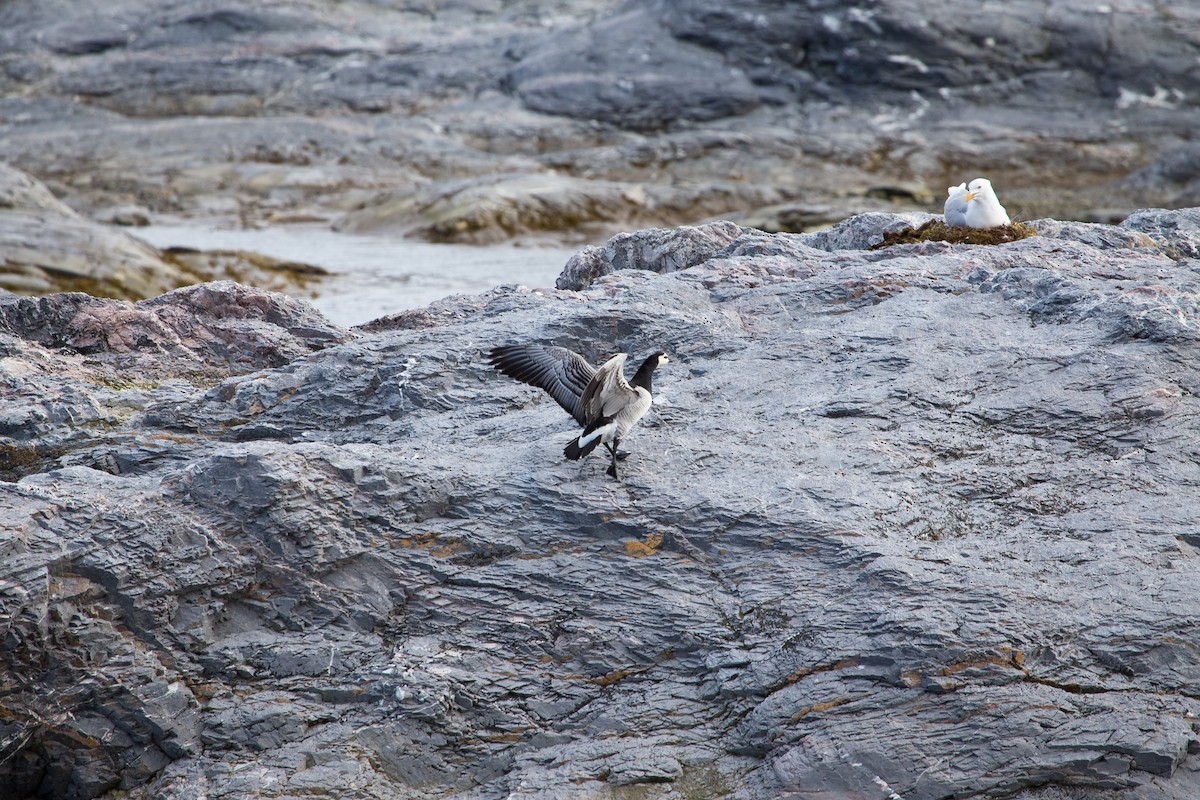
[
  {"x": 609, "y": 392},
  {"x": 563, "y": 375}
]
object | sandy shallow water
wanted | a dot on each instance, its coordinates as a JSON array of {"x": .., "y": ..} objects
[{"x": 377, "y": 275}]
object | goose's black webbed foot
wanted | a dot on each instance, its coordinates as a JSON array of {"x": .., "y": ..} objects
[{"x": 617, "y": 454}]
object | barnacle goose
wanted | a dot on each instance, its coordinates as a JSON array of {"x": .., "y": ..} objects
[{"x": 600, "y": 400}]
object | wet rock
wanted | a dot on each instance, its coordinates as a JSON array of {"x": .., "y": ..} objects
[{"x": 888, "y": 504}]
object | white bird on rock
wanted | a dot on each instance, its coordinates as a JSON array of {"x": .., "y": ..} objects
[
  {"x": 983, "y": 207},
  {"x": 955, "y": 210},
  {"x": 600, "y": 400}
]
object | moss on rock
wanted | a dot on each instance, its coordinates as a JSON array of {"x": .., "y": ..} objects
[{"x": 938, "y": 231}]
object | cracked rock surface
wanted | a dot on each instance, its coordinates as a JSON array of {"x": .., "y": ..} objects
[{"x": 915, "y": 521}]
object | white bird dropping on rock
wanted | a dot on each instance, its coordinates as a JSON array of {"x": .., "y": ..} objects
[
  {"x": 955, "y": 210},
  {"x": 983, "y": 207}
]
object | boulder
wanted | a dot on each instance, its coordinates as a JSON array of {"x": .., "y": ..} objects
[
  {"x": 112, "y": 355},
  {"x": 45, "y": 245},
  {"x": 496, "y": 209},
  {"x": 660, "y": 250},
  {"x": 1177, "y": 233}
]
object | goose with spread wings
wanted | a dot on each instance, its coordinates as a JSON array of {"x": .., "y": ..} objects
[{"x": 600, "y": 400}]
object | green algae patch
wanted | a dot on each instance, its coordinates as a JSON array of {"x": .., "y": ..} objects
[{"x": 938, "y": 231}]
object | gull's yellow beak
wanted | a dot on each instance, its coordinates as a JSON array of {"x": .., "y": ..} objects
[{"x": 971, "y": 195}]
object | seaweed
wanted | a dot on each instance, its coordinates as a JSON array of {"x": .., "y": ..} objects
[{"x": 935, "y": 230}]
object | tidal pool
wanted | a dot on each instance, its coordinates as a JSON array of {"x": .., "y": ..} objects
[{"x": 377, "y": 275}]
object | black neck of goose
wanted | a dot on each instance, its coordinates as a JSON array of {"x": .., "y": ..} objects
[{"x": 645, "y": 373}]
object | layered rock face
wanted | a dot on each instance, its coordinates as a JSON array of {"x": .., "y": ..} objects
[
  {"x": 916, "y": 522},
  {"x": 46, "y": 246},
  {"x": 475, "y": 121}
]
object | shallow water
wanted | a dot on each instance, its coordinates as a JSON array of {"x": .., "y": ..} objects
[{"x": 377, "y": 275}]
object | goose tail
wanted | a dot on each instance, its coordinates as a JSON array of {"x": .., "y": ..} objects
[{"x": 587, "y": 441}]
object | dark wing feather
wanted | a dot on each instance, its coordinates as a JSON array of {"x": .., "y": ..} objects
[{"x": 562, "y": 374}]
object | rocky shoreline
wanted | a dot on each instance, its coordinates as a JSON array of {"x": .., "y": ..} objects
[
  {"x": 912, "y": 521},
  {"x": 46, "y": 246},
  {"x": 472, "y": 121},
  {"x": 916, "y": 520}
]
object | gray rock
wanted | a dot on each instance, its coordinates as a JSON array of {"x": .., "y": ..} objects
[
  {"x": 216, "y": 323},
  {"x": 118, "y": 357},
  {"x": 889, "y": 504},
  {"x": 1173, "y": 169},
  {"x": 1173, "y": 178},
  {"x": 670, "y": 249},
  {"x": 129, "y": 216},
  {"x": 660, "y": 250},
  {"x": 21, "y": 192},
  {"x": 46, "y": 246},
  {"x": 485, "y": 211},
  {"x": 863, "y": 231},
  {"x": 898, "y": 47},
  {"x": 415, "y": 117},
  {"x": 626, "y": 69},
  {"x": 1176, "y": 233},
  {"x": 1105, "y": 237}
]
